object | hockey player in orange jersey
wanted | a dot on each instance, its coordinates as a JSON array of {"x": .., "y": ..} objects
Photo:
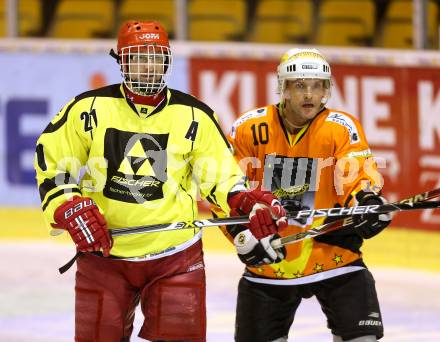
[{"x": 311, "y": 157}]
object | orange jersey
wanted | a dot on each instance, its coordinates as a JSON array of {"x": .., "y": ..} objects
[{"x": 325, "y": 163}]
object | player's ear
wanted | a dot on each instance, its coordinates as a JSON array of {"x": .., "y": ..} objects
[{"x": 286, "y": 94}]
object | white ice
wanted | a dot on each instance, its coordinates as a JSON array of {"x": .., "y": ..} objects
[{"x": 36, "y": 303}]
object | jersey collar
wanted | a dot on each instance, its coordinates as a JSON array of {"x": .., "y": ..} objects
[
  {"x": 145, "y": 110},
  {"x": 290, "y": 139}
]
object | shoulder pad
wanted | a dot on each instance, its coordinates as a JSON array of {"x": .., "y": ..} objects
[
  {"x": 347, "y": 122},
  {"x": 252, "y": 114}
]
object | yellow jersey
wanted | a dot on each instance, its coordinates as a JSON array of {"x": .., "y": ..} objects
[{"x": 142, "y": 165}]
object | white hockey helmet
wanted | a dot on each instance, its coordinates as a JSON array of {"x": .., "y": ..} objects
[{"x": 302, "y": 63}]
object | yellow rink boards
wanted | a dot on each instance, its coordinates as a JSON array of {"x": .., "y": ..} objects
[{"x": 405, "y": 248}]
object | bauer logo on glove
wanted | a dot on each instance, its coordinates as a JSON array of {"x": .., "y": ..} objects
[{"x": 83, "y": 204}]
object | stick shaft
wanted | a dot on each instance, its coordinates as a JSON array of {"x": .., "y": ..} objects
[
  {"x": 244, "y": 219},
  {"x": 410, "y": 203},
  {"x": 420, "y": 200},
  {"x": 180, "y": 225}
]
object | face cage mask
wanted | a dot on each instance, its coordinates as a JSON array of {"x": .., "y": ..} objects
[{"x": 145, "y": 69}]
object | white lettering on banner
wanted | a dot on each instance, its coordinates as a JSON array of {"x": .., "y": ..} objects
[
  {"x": 349, "y": 101},
  {"x": 428, "y": 177},
  {"x": 374, "y": 111},
  {"x": 247, "y": 91},
  {"x": 271, "y": 86},
  {"x": 429, "y": 115},
  {"x": 219, "y": 95},
  {"x": 429, "y": 128},
  {"x": 393, "y": 196},
  {"x": 430, "y": 161}
]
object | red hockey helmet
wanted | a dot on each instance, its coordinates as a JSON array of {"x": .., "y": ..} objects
[
  {"x": 134, "y": 33},
  {"x": 145, "y": 56}
]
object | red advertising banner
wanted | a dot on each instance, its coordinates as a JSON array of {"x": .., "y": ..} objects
[{"x": 399, "y": 108}]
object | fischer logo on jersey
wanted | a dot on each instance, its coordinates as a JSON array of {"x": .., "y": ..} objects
[
  {"x": 136, "y": 182},
  {"x": 149, "y": 36},
  {"x": 137, "y": 164},
  {"x": 348, "y": 123}
]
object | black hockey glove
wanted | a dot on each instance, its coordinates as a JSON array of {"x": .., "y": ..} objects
[
  {"x": 292, "y": 204},
  {"x": 369, "y": 225},
  {"x": 254, "y": 252}
]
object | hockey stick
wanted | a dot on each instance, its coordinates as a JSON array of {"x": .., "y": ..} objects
[
  {"x": 342, "y": 212},
  {"x": 410, "y": 203},
  {"x": 348, "y": 221}
]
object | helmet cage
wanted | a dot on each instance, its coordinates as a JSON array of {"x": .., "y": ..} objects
[{"x": 145, "y": 68}]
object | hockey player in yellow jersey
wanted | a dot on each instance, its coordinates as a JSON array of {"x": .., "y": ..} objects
[
  {"x": 133, "y": 154},
  {"x": 311, "y": 157}
]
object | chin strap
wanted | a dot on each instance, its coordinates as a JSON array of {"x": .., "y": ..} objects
[{"x": 114, "y": 55}]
